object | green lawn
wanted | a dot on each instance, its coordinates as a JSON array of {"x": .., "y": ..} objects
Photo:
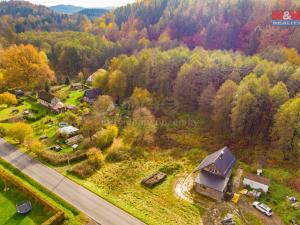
[
  {"x": 9, "y": 216},
  {"x": 278, "y": 192},
  {"x": 74, "y": 98}
]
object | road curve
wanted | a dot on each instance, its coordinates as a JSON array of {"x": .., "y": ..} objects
[{"x": 87, "y": 202}]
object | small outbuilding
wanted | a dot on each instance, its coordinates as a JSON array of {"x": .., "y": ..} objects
[
  {"x": 74, "y": 140},
  {"x": 256, "y": 182},
  {"x": 68, "y": 131}
]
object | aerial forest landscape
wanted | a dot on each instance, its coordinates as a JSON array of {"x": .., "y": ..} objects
[{"x": 158, "y": 112}]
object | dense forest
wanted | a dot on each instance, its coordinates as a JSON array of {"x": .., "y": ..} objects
[{"x": 169, "y": 49}]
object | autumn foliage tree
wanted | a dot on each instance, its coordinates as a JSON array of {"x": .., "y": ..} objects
[
  {"x": 20, "y": 131},
  {"x": 26, "y": 68},
  {"x": 286, "y": 130},
  {"x": 8, "y": 99},
  {"x": 141, "y": 98}
]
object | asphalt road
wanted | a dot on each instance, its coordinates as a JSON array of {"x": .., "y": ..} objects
[{"x": 87, "y": 202}]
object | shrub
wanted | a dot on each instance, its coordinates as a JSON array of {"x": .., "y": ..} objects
[
  {"x": 83, "y": 169},
  {"x": 294, "y": 183},
  {"x": 118, "y": 154},
  {"x": 8, "y": 99},
  {"x": 86, "y": 168},
  {"x": 20, "y": 131},
  {"x": 2, "y": 131},
  {"x": 35, "y": 146},
  {"x": 104, "y": 138},
  {"x": 196, "y": 155},
  {"x": 136, "y": 152},
  {"x": 87, "y": 143},
  {"x": 95, "y": 157},
  {"x": 170, "y": 168},
  {"x": 70, "y": 118},
  {"x": 60, "y": 159}
]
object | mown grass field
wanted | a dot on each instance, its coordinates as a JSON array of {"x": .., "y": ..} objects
[{"x": 8, "y": 201}]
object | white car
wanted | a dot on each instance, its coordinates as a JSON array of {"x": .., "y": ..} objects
[{"x": 262, "y": 208}]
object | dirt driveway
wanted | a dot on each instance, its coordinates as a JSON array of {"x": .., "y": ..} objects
[
  {"x": 246, "y": 207},
  {"x": 215, "y": 211}
]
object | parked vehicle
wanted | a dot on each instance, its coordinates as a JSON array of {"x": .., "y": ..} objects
[{"x": 262, "y": 208}]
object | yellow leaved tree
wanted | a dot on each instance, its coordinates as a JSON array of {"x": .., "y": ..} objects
[{"x": 25, "y": 68}]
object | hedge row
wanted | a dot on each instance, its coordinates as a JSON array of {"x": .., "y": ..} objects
[
  {"x": 38, "y": 186},
  {"x": 58, "y": 216},
  {"x": 61, "y": 159}
]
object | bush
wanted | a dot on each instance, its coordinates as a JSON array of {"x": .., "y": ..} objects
[
  {"x": 118, "y": 154},
  {"x": 95, "y": 157},
  {"x": 35, "y": 146},
  {"x": 60, "y": 159},
  {"x": 8, "y": 99},
  {"x": 196, "y": 155},
  {"x": 20, "y": 131},
  {"x": 2, "y": 131},
  {"x": 170, "y": 168},
  {"x": 136, "y": 153},
  {"x": 104, "y": 138},
  {"x": 83, "y": 169},
  {"x": 38, "y": 112},
  {"x": 294, "y": 183}
]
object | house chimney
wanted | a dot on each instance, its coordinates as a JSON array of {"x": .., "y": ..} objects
[{"x": 221, "y": 155}]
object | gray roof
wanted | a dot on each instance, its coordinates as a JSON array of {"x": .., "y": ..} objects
[
  {"x": 213, "y": 181},
  {"x": 47, "y": 97},
  {"x": 223, "y": 159},
  {"x": 92, "y": 93},
  {"x": 68, "y": 130}
]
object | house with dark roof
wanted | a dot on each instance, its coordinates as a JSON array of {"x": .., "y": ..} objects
[
  {"x": 91, "y": 95},
  {"x": 50, "y": 101},
  {"x": 214, "y": 173}
]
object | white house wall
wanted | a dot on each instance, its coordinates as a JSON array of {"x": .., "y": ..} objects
[{"x": 255, "y": 185}]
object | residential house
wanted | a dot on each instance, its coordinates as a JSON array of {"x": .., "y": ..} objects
[
  {"x": 50, "y": 101},
  {"x": 77, "y": 86},
  {"x": 214, "y": 173},
  {"x": 256, "y": 182},
  {"x": 68, "y": 131},
  {"x": 19, "y": 93},
  {"x": 91, "y": 95},
  {"x": 91, "y": 77}
]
